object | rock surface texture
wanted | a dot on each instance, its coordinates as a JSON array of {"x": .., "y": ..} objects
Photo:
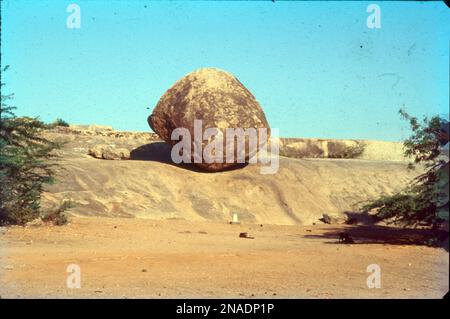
[{"x": 218, "y": 99}]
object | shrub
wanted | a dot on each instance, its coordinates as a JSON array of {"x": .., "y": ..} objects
[
  {"x": 26, "y": 164},
  {"x": 60, "y": 122},
  {"x": 58, "y": 216},
  {"x": 427, "y": 195},
  {"x": 349, "y": 152}
]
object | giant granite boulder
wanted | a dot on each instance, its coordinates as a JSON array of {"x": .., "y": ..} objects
[{"x": 218, "y": 99}]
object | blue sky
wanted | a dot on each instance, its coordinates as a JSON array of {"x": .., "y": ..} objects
[{"x": 315, "y": 67}]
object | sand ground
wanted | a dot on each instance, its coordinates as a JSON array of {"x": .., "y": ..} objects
[{"x": 176, "y": 258}]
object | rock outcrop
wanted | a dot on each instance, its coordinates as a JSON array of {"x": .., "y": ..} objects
[
  {"x": 86, "y": 131},
  {"x": 109, "y": 152},
  {"x": 339, "y": 148},
  {"x": 147, "y": 187}
]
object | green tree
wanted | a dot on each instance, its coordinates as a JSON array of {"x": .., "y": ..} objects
[
  {"x": 27, "y": 162},
  {"x": 427, "y": 195}
]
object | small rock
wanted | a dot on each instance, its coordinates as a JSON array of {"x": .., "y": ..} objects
[
  {"x": 329, "y": 219},
  {"x": 8, "y": 267},
  {"x": 325, "y": 219},
  {"x": 109, "y": 152},
  {"x": 245, "y": 235},
  {"x": 35, "y": 222}
]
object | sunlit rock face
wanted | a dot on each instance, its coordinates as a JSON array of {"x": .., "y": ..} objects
[{"x": 220, "y": 101}]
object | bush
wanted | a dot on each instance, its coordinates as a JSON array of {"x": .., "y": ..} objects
[
  {"x": 350, "y": 152},
  {"x": 26, "y": 164},
  {"x": 58, "y": 216},
  {"x": 60, "y": 122},
  {"x": 427, "y": 196}
]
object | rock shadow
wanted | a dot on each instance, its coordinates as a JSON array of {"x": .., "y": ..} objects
[{"x": 160, "y": 152}]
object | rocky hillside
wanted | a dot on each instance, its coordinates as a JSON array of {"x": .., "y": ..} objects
[
  {"x": 149, "y": 186},
  {"x": 333, "y": 148}
]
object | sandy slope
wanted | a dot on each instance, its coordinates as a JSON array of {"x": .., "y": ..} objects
[
  {"x": 148, "y": 187},
  {"x": 128, "y": 258}
]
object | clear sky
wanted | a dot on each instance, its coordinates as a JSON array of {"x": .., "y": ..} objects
[{"x": 315, "y": 67}]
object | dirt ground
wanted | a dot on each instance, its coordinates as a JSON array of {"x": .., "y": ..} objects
[{"x": 142, "y": 258}]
